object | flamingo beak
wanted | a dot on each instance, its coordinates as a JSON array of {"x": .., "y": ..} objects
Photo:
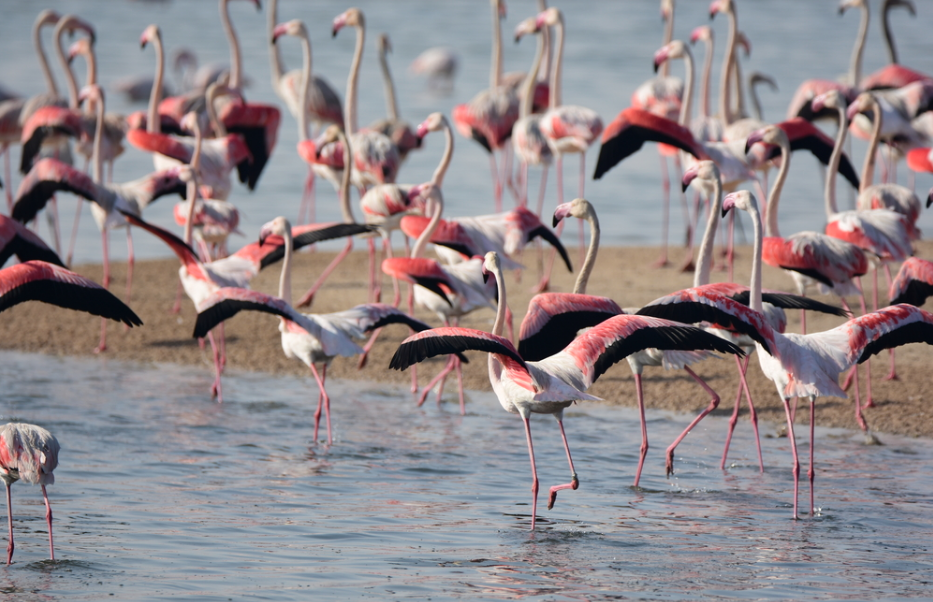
[
  {"x": 338, "y": 24},
  {"x": 713, "y": 9},
  {"x": 727, "y": 204},
  {"x": 278, "y": 32},
  {"x": 485, "y": 275},
  {"x": 930, "y": 198},
  {"x": 818, "y": 103},
  {"x": 752, "y": 139},
  {"x": 422, "y": 130},
  {"x": 689, "y": 176},
  {"x": 854, "y": 109},
  {"x": 560, "y": 213},
  {"x": 660, "y": 57}
]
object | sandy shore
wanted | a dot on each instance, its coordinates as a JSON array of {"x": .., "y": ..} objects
[{"x": 623, "y": 274}]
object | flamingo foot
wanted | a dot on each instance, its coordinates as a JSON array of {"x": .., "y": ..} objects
[
  {"x": 101, "y": 348},
  {"x": 661, "y": 262},
  {"x": 892, "y": 375},
  {"x": 362, "y": 363},
  {"x": 552, "y": 497},
  {"x": 869, "y": 403},
  {"x": 669, "y": 465},
  {"x": 688, "y": 267}
]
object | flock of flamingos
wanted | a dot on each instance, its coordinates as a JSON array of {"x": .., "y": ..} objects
[{"x": 566, "y": 340}]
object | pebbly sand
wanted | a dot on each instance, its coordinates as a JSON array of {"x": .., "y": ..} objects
[{"x": 624, "y": 274}]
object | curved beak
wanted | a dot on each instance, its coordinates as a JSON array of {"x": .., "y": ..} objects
[
  {"x": 930, "y": 198},
  {"x": 279, "y": 31},
  {"x": 339, "y": 22},
  {"x": 422, "y": 130},
  {"x": 660, "y": 57},
  {"x": 560, "y": 213},
  {"x": 752, "y": 139},
  {"x": 727, "y": 204},
  {"x": 854, "y": 109},
  {"x": 689, "y": 176},
  {"x": 713, "y": 9}
]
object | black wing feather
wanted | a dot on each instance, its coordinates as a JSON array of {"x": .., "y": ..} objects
[
  {"x": 628, "y": 142},
  {"x": 915, "y": 332},
  {"x": 915, "y": 294},
  {"x": 255, "y": 139},
  {"x": 312, "y": 237},
  {"x": 559, "y": 331},
  {"x": 691, "y": 312},
  {"x": 789, "y": 301},
  {"x": 812, "y": 274},
  {"x": 545, "y": 233},
  {"x": 433, "y": 285},
  {"x": 823, "y": 152},
  {"x": 95, "y": 301},
  {"x": 419, "y": 350},
  {"x": 226, "y": 309},
  {"x": 30, "y": 204},
  {"x": 26, "y": 251}
]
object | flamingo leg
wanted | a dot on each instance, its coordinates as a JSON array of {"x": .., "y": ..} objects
[
  {"x": 574, "y": 481},
  {"x": 309, "y": 296},
  {"x": 9, "y": 513},
  {"x": 496, "y": 184},
  {"x": 326, "y": 399},
  {"x": 48, "y": 519},
  {"x": 507, "y": 169},
  {"x": 811, "y": 472},
  {"x": 793, "y": 447},
  {"x": 369, "y": 345},
  {"x": 713, "y": 404},
  {"x": 534, "y": 474},
  {"x": 387, "y": 250},
  {"x": 644, "y": 428},
  {"x": 459, "y": 366},
  {"x": 104, "y": 235},
  {"x": 306, "y": 196},
  {"x": 130, "y": 263},
  {"x": 752, "y": 414},
  {"x": 665, "y": 212},
  {"x": 411, "y": 312},
  {"x": 427, "y": 389},
  {"x": 216, "y": 388},
  {"x": 374, "y": 291},
  {"x": 74, "y": 232},
  {"x": 542, "y": 189},
  {"x": 858, "y": 406}
]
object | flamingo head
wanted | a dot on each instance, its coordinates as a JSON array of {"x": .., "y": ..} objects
[
  {"x": 673, "y": 50},
  {"x": 71, "y": 23},
  {"x": 529, "y": 25},
  {"x": 847, "y": 4},
  {"x": 47, "y": 17},
  {"x": 91, "y": 92},
  {"x": 80, "y": 47},
  {"x": 864, "y": 102},
  {"x": 742, "y": 40},
  {"x": 277, "y": 227},
  {"x": 549, "y": 18},
  {"x": 420, "y": 194},
  {"x": 333, "y": 133},
  {"x": 490, "y": 265},
  {"x": 703, "y": 33},
  {"x": 704, "y": 170},
  {"x": 908, "y": 4},
  {"x": 719, "y": 6},
  {"x": 740, "y": 199},
  {"x": 383, "y": 43},
  {"x": 433, "y": 123},
  {"x": 151, "y": 33},
  {"x": 667, "y": 10},
  {"x": 579, "y": 208},
  {"x": 295, "y": 27},
  {"x": 832, "y": 99},
  {"x": 351, "y": 16},
  {"x": 770, "y": 134}
]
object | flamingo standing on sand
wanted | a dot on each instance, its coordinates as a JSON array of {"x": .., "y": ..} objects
[
  {"x": 551, "y": 385},
  {"x": 312, "y": 339}
]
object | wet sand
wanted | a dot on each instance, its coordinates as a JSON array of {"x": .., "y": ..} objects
[{"x": 624, "y": 274}]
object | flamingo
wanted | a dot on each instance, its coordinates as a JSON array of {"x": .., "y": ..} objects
[
  {"x": 439, "y": 65},
  {"x": 397, "y": 130},
  {"x": 17, "y": 239},
  {"x": 153, "y": 120},
  {"x": 528, "y": 141},
  {"x": 706, "y": 126},
  {"x": 913, "y": 283},
  {"x": 551, "y": 385},
  {"x": 311, "y": 338},
  {"x": 892, "y": 75},
  {"x": 30, "y": 453}
]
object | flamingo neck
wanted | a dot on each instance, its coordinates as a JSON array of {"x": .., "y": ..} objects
[
  {"x": 66, "y": 66},
  {"x": 724, "y": 114},
  {"x": 495, "y": 68},
  {"x": 855, "y": 63},
  {"x": 554, "y": 91},
  {"x": 755, "y": 285},
  {"x": 285, "y": 278},
  {"x": 868, "y": 170},
  {"x": 705, "y": 254},
  {"x": 211, "y": 94},
  {"x": 668, "y": 36},
  {"x": 740, "y": 110},
  {"x": 502, "y": 304},
  {"x": 350, "y": 121},
  {"x": 98, "y": 138},
  {"x": 388, "y": 85},
  {"x": 704, "y": 83},
  {"x": 153, "y": 125},
  {"x": 528, "y": 86},
  {"x": 544, "y": 74},
  {"x": 275, "y": 53},
  {"x": 438, "y": 178},
  {"x": 305, "y": 87},
  {"x": 687, "y": 105},
  {"x": 829, "y": 190},
  {"x": 235, "y": 60},
  {"x": 345, "y": 207},
  {"x": 775, "y": 195},
  {"x": 425, "y": 237},
  {"x": 43, "y": 60},
  {"x": 886, "y": 33},
  {"x": 193, "y": 184},
  {"x": 756, "y": 102},
  {"x": 586, "y": 269}
]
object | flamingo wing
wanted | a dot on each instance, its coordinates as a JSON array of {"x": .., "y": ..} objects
[
  {"x": 451, "y": 340},
  {"x": 259, "y": 125},
  {"x": 789, "y": 301},
  {"x": 47, "y": 177},
  {"x": 176, "y": 147},
  {"x": 554, "y": 319},
  {"x": 17, "y": 239},
  {"x": 273, "y": 248},
  {"x": 421, "y": 271},
  {"x": 887, "y": 328},
  {"x": 913, "y": 284},
  {"x": 184, "y": 252},
  {"x": 803, "y": 135},
  {"x": 41, "y": 281},
  {"x": 224, "y": 303},
  {"x": 46, "y": 122}
]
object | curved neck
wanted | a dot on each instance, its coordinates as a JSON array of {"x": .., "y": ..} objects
[
  {"x": 212, "y": 92},
  {"x": 495, "y": 68},
  {"x": 829, "y": 191},
  {"x": 583, "y": 277},
  {"x": 388, "y": 85},
  {"x": 69, "y": 75},
  {"x": 775, "y": 195},
  {"x": 528, "y": 86},
  {"x": 235, "y": 61},
  {"x": 868, "y": 170},
  {"x": 668, "y": 36},
  {"x": 740, "y": 110},
  {"x": 91, "y": 60},
  {"x": 544, "y": 74},
  {"x": 502, "y": 304},
  {"x": 756, "y": 102},
  {"x": 349, "y": 123},
  {"x": 724, "y": 114},
  {"x": 886, "y": 33},
  {"x": 425, "y": 237},
  {"x": 705, "y": 254},
  {"x": 345, "y": 207},
  {"x": 98, "y": 137},
  {"x": 155, "y": 95},
  {"x": 855, "y": 63},
  {"x": 305, "y": 86},
  {"x": 755, "y": 284},
  {"x": 275, "y": 53},
  {"x": 193, "y": 184},
  {"x": 704, "y": 83},
  {"x": 43, "y": 60},
  {"x": 554, "y": 92},
  {"x": 285, "y": 279},
  {"x": 438, "y": 178},
  {"x": 687, "y": 105}
]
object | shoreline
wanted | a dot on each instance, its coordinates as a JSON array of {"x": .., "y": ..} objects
[{"x": 622, "y": 273}]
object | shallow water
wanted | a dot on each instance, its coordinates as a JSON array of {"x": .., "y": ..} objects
[
  {"x": 162, "y": 494},
  {"x": 609, "y": 53}
]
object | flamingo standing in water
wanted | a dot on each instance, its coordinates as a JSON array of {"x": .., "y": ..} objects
[
  {"x": 30, "y": 453},
  {"x": 312, "y": 339},
  {"x": 553, "y": 384}
]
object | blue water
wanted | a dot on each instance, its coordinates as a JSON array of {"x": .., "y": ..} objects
[
  {"x": 162, "y": 494},
  {"x": 608, "y": 53}
]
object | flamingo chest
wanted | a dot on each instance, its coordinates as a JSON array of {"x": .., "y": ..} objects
[{"x": 298, "y": 344}]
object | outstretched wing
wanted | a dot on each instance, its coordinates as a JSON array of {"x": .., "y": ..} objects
[
  {"x": 886, "y": 328},
  {"x": 227, "y": 302},
  {"x": 444, "y": 341},
  {"x": 47, "y": 177},
  {"x": 17, "y": 239},
  {"x": 554, "y": 319}
]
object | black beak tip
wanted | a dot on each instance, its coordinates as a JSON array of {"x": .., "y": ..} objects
[
  {"x": 485, "y": 277},
  {"x": 555, "y": 220},
  {"x": 929, "y": 200},
  {"x": 684, "y": 187},
  {"x": 747, "y": 147},
  {"x": 724, "y": 212},
  {"x": 656, "y": 67},
  {"x": 333, "y": 33}
]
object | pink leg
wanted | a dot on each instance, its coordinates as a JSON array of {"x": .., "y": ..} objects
[
  {"x": 574, "y": 481},
  {"x": 460, "y": 384},
  {"x": 892, "y": 374},
  {"x": 374, "y": 289},
  {"x": 369, "y": 345},
  {"x": 74, "y": 232},
  {"x": 545, "y": 280},
  {"x": 811, "y": 473},
  {"x": 444, "y": 372},
  {"x": 752, "y": 414},
  {"x": 317, "y": 416},
  {"x": 306, "y": 196},
  {"x": 48, "y": 519},
  {"x": 496, "y": 183},
  {"x": 713, "y": 404},
  {"x": 411, "y": 312},
  {"x": 534, "y": 474},
  {"x": 793, "y": 447},
  {"x": 9, "y": 514},
  {"x": 858, "y": 406},
  {"x": 177, "y": 306},
  {"x": 644, "y": 428},
  {"x": 665, "y": 213},
  {"x": 216, "y": 387},
  {"x": 396, "y": 293},
  {"x": 309, "y": 296},
  {"x": 507, "y": 169},
  {"x": 102, "y": 346}
]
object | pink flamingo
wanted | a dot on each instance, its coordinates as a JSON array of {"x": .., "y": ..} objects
[
  {"x": 551, "y": 385},
  {"x": 892, "y": 75},
  {"x": 311, "y": 338},
  {"x": 396, "y": 129},
  {"x": 17, "y": 239},
  {"x": 30, "y": 453},
  {"x": 913, "y": 283},
  {"x": 528, "y": 141}
]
